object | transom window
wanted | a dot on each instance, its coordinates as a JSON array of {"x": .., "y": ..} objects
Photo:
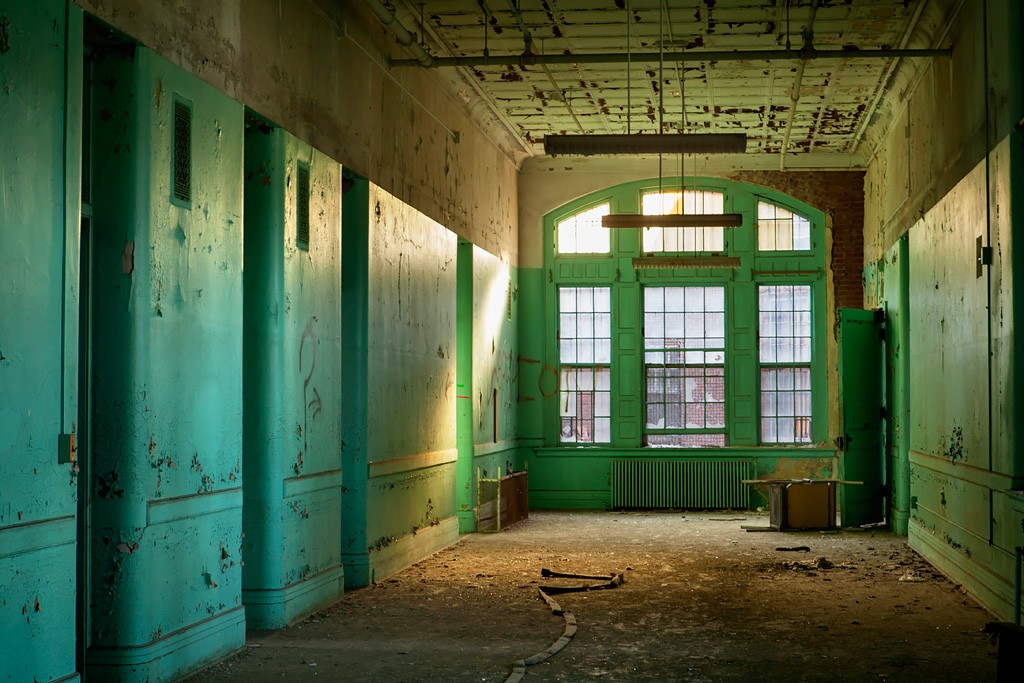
[
  {"x": 784, "y": 339},
  {"x": 683, "y": 239},
  {"x": 684, "y": 361},
  {"x": 781, "y": 230},
  {"x": 583, "y": 233},
  {"x": 584, "y": 343}
]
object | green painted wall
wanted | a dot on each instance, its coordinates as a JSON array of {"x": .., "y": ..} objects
[
  {"x": 495, "y": 367},
  {"x": 167, "y": 375},
  {"x": 40, "y": 104},
  {"x": 964, "y": 452},
  {"x": 578, "y": 476},
  {"x": 292, "y": 382},
  {"x": 409, "y": 498}
]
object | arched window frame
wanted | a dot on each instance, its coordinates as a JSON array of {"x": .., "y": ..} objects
[{"x": 753, "y": 269}]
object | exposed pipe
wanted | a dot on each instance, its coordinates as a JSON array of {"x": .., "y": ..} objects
[
  {"x": 794, "y": 98},
  {"x": 401, "y": 33},
  {"x": 531, "y": 59},
  {"x": 794, "y": 93}
]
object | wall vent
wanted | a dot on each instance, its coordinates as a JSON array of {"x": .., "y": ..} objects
[
  {"x": 680, "y": 484},
  {"x": 181, "y": 154},
  {"x": 302, "y": 207}
]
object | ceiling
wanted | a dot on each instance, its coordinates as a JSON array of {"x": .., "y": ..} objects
[{"x": 830, "y": 101}]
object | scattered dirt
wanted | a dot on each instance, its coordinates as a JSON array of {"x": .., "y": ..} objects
[{"x": 703, "y": 600}]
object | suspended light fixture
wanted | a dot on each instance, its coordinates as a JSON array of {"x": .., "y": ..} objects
[
  {"x": 682, "y": 143},
  {"x": 672, "y": 220}
]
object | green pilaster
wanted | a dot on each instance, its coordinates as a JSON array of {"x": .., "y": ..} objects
[
  {"x": 355, "y": 215},
  {"x": 167, "y": 342},
  {"x": 465, "y": 495},
  {"x": 292, "y": 384},
  {"x": 897, "y": 379}
]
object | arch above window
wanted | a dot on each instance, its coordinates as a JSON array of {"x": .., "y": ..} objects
[{"x": 779, "y": 229}]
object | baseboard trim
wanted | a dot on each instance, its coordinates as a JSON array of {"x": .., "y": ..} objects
[
  {"x": 991, "y": 590},
  {"x": 273, "y": 608},
  {"x": 411, "y": 548},
  {"x": 173, "y": 655}
]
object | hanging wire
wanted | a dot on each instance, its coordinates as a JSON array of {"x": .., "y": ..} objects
[
  {"x": 629, "y": 68},
  {"x": 661, "y": 85}
]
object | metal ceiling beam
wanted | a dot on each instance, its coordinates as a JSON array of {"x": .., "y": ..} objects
[{"x": 530, "y": 59}]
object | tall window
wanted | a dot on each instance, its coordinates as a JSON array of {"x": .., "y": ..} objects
[
  {"x": 583, "y": 233},
  {"x": 784, "y": 331},
  {"x": 684, "y": 361},
  {"x": 585, "y": 353},
  {"x": 781, "y": 230},
  {"x": 684, "y": 239}
]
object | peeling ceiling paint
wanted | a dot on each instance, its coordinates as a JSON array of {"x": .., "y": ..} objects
[{"x": 835, "y": 100}]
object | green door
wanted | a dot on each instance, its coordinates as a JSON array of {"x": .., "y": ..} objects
[{"x": 860, "y": 399}]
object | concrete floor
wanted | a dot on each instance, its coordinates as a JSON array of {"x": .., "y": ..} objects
[{"x": 703, "y": 600}]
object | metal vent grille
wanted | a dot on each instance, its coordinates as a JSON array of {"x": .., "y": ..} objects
[
  {"x": 302, "y": 207},
  {"x": 182, "y": 152},
  {"x": 680, "y": 484}
]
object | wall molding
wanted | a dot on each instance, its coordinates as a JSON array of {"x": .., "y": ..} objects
[
  {"x": 38, "y": 535},
  {"x": 408, "y": 463},
  {"x": 163, "y": 510}
]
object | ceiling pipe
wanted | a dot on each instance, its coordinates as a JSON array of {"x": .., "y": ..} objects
[
  {"x": 403, "y": 35},
  {"x": 532, "y": 59},
  {"x": 794, "y": 93}
]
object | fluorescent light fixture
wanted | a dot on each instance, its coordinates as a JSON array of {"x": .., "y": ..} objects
[
  {"x": 676, "y": 143},
  {"x": 660, "y": 262},
  {"x": 672, "y": 220}
]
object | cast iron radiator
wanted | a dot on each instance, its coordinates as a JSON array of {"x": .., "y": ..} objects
[{"x": 680, "y": 484}]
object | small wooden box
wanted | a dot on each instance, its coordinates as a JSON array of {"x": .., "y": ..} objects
[{"x": 802, "y": 505}]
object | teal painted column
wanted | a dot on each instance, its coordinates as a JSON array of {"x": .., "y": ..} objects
[
  {"x": 40, "y": 142},
  {"x": 355, "y": 217},
  {"x": 167, "y": 371},
  {"x": 292, "y": 380},
  {"x": 897, "y": 303},
  {"x": 465, "y": 497}
]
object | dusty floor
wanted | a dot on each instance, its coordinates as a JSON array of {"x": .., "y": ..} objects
[{"x": 703, "y": 600}]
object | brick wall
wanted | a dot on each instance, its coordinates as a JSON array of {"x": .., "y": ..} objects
[{"x": 840, "y": 195}]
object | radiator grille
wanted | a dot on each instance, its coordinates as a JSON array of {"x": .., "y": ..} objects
[{"x": 680, "y": 484}]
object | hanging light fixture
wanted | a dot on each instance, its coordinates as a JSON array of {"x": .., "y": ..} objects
[
  {"x": 682, "y": 143},
  {"x": 660, "y": 144},
  {"x": 672, "y": 220}
]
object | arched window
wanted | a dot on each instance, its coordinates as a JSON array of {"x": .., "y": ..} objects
[{"x": 688, "y": 337}]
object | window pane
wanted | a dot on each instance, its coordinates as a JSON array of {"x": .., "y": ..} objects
[
  {"x": 781, "y": 230},
  {"x": 584, "y": 335},
  {"x": 683, "y": 239},
  {"x": 583, "y": 233},
  {"x": 785, "y": 405},
  {"x": 784, "y": 323},
  {"x": 585, "y": 405},
  {"x": 685, "y": 373}
]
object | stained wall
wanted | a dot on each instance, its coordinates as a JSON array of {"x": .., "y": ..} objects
[{"x": 946, "y": 183}]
